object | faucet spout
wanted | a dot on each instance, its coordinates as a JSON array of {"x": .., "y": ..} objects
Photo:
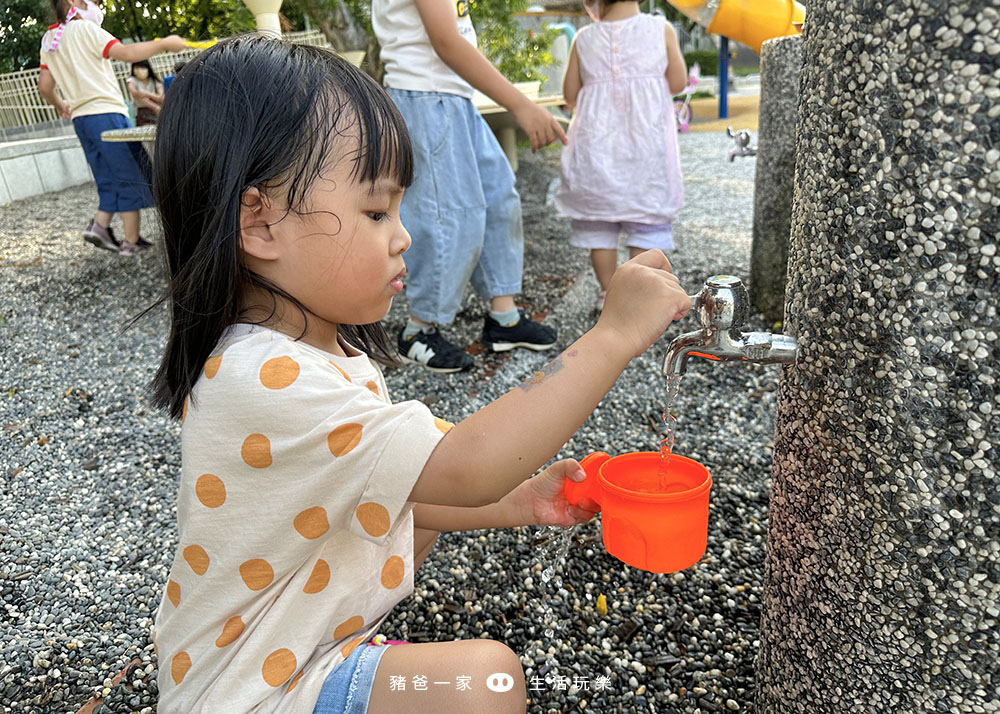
[{"x": 723, "y": 307}]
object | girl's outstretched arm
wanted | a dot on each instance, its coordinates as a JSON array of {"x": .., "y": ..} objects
[
  {"x": 539, "y": 501},
  {"x": 486, "y": 456}
]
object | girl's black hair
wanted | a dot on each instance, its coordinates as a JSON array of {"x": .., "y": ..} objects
[
  {"x": 254, "y": 112},
  {"x": 60, "y": 8},
  {"x": 148, "y": 66}
]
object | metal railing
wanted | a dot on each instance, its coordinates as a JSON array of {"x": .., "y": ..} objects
[{"x": 22, "y": 108}]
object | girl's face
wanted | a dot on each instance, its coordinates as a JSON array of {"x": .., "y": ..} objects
[
  {"x": 140, "y": 73},
  {"x": 341, "y": 256}
]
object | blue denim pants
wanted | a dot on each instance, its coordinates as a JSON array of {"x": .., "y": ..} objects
[
  {"x": 462, "y": 211},
  {"x": 121, "y": 169}
]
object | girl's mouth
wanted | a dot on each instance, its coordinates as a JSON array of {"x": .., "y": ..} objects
[{"x": 397, "y": 282}]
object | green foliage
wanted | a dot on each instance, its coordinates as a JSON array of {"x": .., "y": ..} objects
[
  {"x": 195, "y": 19},
  {"x": 22, "y": 24},
  {"x": 517, "y": 53},
  {"x": 708, "y": 59}
]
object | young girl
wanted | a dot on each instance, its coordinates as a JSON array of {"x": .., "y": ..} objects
[
  {"x": 146, "y": 91},
  {"x": 621, "y": 171},
  {"x": 76, "y": 56},
  {"x": 307, "y": 498}
]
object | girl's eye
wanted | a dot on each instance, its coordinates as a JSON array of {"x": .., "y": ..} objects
[{"x": 378, "y": 216}]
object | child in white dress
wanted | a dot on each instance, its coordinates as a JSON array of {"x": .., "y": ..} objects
[{"x": 621, "y": 170}]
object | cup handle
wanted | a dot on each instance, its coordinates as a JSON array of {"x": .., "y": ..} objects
[{"x": 589, "y": 487}]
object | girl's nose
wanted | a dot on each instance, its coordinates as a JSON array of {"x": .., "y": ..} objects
[{"x": 402, "y": 239}]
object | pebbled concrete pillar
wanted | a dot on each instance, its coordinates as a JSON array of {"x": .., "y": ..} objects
[
  {"x": 882, "y": 587},
  {"x": 780, "y": 69}
]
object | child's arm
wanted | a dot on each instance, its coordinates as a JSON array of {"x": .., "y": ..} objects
[
  {"x": 539, "y": 501},
  {"x": 438, "y": 17},
  {"x": 487, "y": 455},
  {"x": 677, "y": 73},
  {"x": 138, "y": 51},
  {"x": 47, "y": 90},
  {"x": 571, "y": 79},
  {"x": 144, "y": 99}
]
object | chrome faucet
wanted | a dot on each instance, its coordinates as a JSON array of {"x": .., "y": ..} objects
[
  {"x": 723, "y": 307},
  {"x": 742, "y": 140}
]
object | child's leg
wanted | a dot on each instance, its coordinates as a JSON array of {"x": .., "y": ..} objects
[
  {"x": 499, "y": 269},
  {"x": 130, "y": 224},
  {"x": 605, "y": 262},
  {"x": 601, "y": 237},
  {"x": 444, "y": 210},
  {"x": 447, "y": 662}
]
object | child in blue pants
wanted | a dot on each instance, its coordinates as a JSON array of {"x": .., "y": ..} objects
[{"x": 462, "y": 211}]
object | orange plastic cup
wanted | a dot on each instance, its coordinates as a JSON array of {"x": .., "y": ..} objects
[{"x": 658, "y": 525}]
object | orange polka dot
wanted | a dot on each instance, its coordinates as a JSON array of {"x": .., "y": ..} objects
[
  {"x": 372, "y": 387},
  {"x": 443, "y": 426},
  {"x": 179, "y": 666},
  {"x": 392, "y": 572},
  {"x": 374, "y": 518},
  {"x": 212, "y": 366},
  {"x": 346, "y": 650},
  {"x": 257, "y": 573},
  {"x": 351, "y": 624},
  {"x": 197, "y": 558},
  {"x": 342, "y": 372},
  {"x": 278, "y": 667},
  {"x": 318, "y": 579},
  {"x": 295, "y": 680},
  {"x": 344, "y": 438},
  {"x": 230, "y": 631},
  {"x": 312, "y": 522},
  {"x": 279, "y": 372},
  {"x": 174, "y": 592},
  {"x": 210, "y": 490},
  {"x": 256, "y": 451}
]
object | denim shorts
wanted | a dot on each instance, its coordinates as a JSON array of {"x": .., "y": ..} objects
[
  {"x": 604, "y": 235},
  {"x": 462, "y": 211},
  {"x": 121, "y": 169},
  {"x": 348, "y": 688}
]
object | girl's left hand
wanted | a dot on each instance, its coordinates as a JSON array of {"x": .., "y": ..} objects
[{"x": 540, "y": 500}]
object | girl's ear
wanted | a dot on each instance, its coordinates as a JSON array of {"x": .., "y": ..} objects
[{"x": 255, "y": 226}]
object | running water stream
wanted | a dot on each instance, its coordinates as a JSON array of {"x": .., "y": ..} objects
[{"x": 669, "y": 423}]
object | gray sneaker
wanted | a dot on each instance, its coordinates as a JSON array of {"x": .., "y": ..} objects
[{"x": 101, "y": 237}]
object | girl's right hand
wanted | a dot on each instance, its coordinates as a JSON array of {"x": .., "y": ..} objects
[
  {"x": 644, "y": 297},
  {"x": 174, "y": 43}
]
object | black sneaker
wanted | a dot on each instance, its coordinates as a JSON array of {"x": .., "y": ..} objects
[
  {"x": 429, "y": 349},
  {"x": 526, "y": 333}
]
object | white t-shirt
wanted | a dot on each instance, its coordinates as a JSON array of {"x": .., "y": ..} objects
[
  {"x": 410, "y": 60},
  {"x": 295, "y": 534},
  {"x": 82, "y": 70}
]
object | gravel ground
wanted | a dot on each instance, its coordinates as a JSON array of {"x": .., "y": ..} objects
[{"x": 88, "y": 473}]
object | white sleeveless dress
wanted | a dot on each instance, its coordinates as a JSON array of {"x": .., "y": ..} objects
[{"x": 622, "y": 163}]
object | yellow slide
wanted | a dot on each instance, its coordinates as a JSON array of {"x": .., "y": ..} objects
[{"x": 747, "y": 21}]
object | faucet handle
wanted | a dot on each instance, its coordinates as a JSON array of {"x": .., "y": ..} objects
[{"x": 723, "y": 303}]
